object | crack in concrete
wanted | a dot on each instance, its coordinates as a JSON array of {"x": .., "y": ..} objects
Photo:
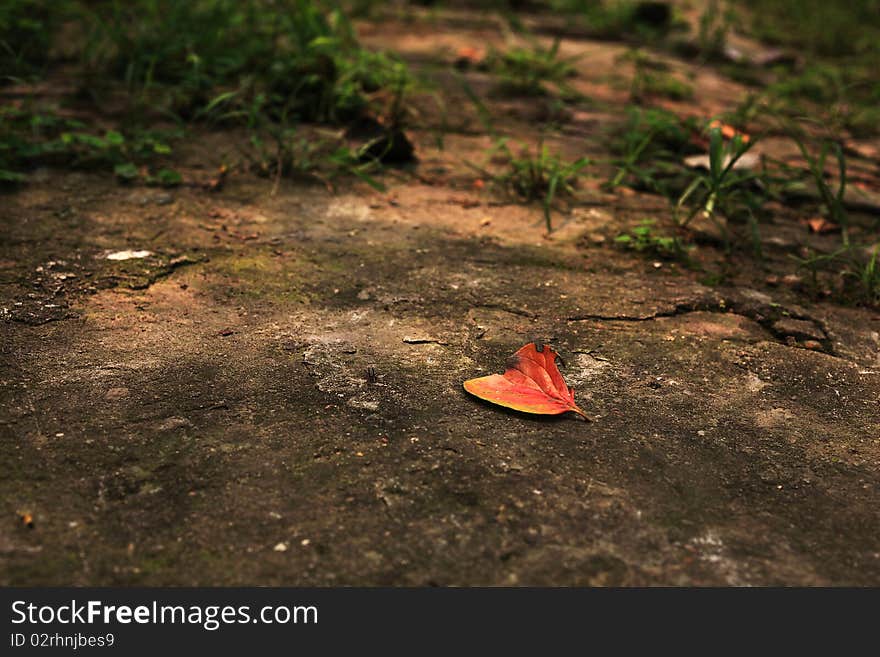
[
  {"x": 509, "y": 309},
  {"x": 765, "y": 316},
  {"x": 678, "y": 309}
]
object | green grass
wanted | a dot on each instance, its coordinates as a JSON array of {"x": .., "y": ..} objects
[
  {"x": 533, "y": 71},
  {"x": 27, "y": 28},
  {"x": 612, "y": 19},
  {"x": 653, "y": 79},
  {"x": 192, "y": 58},
  {"x": 868, "y": 276},
  {"x": 267, "y": 65},
  {"x": 854, "y": 267},
  {"x": 844, "y": 93},
  {"x": 818, "y": 26},
  {"x": 838, "y": 47},
  {"x": 832, "y": 200},
  {"x": 722, "y": 189},
  {"x": 538, "y": 175},
  {"x": 647, "y": 149},
  {"x": 40, "y": 137},
  {"x": 853, "y": 271},
  {"x": 277, "y": 151},
  {"x": 715, "y": 22},
  {"x": 644, "y": 238}
]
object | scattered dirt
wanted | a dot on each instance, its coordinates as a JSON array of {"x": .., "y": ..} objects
[{"x": 285, "y": 369}]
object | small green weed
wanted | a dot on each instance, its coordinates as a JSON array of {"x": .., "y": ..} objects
[
  {"x": 648, "y": 148},
  {"x": 819, "y": 83},
  {"x": 868, "y": 277},
  {"x": 714, "y": 24},
  {"x": 857, "y": 274},
  {"x": 855, "y": 267},
  {"x": 31, "y": 138},
  {"x": 277, "y": 151},
  {"x": 723, "y": 188},
  {"x": 652, "y": 78},
  {"x": 644, "y": 239},
  {"x": 832, "y": 200},
  {"x": 537, "y": 176},
  {"x": 529, "y": 71}
]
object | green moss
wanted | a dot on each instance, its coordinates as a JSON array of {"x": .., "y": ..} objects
[{"x": 263, "y": 275}]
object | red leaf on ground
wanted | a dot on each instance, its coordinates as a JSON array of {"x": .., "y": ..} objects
[
  {"x": 531, "y": 384},
  {"x": 821, "y": 225},
  {"x": 470, "y": 55}
]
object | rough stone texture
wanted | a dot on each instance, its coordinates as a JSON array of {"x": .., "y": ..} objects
[
  {"x": 286, "y": 370},
  {"x": 176, "y": 434},
  {"x": 799, "y": 328}
]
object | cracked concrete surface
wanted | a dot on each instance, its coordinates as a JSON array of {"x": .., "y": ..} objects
[
  {"x": 298, "y": 381},
  {"x": 194, "y": 424}
]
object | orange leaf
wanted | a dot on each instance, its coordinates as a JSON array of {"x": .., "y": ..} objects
[
  {"x": 470, "y": 54},
  {"x": 531, "y": 384},
  {"x": 728, "y": 131},
  {"x": 821, "y": 225}
]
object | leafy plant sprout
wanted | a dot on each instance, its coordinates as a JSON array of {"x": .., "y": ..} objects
[
  {"x": 644, "y": 239},
  {"x": 722, "y": 188},
  {"x": 832, "y": 200},
  {"x": 31, "y": 136}
]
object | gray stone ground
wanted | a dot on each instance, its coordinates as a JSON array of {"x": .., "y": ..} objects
[{"x": 204, "y": 415}]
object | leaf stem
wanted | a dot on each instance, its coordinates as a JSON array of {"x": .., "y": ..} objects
[{"x": 576, "y": 409}]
